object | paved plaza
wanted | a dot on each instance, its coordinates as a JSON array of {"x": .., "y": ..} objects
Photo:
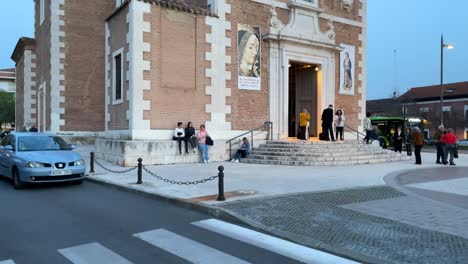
[{"x": 380, "y": 213}]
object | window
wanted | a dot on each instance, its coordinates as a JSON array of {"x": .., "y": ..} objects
[
  {"x": 117, "y": 73},
  {"x": 212, "y": 6},
  {"x": 446, "y": 113},
  {"x": 466, "y": 114},
  {"x": 424, "y": 113},
  {"x": 41, "y": 11}
]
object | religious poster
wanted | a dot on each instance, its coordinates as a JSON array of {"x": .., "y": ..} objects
[
  {"x": 347, "y": 70},
  {"x": 248, "y": 47}
]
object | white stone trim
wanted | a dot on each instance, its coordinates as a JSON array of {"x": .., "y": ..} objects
[
  {"x": 29, "y": 87},
  {"x": 362, "y": 89},
  {"x": 137, "y": 27},
  {"x": 166, "y": 134},
  {"x": 322, "y": 15},
  {"x": 107, "y": 76},
  {"x": 41, "y": 107},
  {"x": 116, "y": 101},
  {"x": 56, "y": 65},
  {"x": 279, "y": 81},
  {"x": 217, "y": 89},
  {"x": 41, "y": 11}
]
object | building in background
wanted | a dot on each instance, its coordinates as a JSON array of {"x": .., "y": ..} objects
[
  {"x": 8, "y": 80},
  {"x": 130, "y": 70},
  {"x": 424, "y": 103}
]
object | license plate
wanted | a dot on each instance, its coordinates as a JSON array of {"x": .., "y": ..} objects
[{"x": 60, "y": 172}]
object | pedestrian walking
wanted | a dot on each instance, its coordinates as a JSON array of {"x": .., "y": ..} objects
[
  {"x": 327, "y": 123},
  {"x": 201, "y": 136},
  {"x": 418, "y": 141},
  {"x": 449, "y": 140},
  {"x": 339, "y": 121},
  {"x": 439, "y": 144}
]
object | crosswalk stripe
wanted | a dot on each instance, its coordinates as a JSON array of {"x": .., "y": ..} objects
[
  {"x": 273, "y": 244},
  {"x": 186, "y": 248},
  {"x": 8, "y": 261},
  {"x": 93, "y": 253}
]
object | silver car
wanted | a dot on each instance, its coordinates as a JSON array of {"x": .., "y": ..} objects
[{"x": 39, "y": 157}]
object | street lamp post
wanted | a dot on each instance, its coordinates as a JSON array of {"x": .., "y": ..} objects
[{"x": 442, "y": 46}]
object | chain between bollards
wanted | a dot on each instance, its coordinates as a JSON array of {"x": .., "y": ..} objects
[
  {"x": 91, "y": 163},
  {"x": 221, "y": 184},
  {"x": 140, "y": 168}
]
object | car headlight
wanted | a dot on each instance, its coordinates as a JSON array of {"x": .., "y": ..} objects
[
  {"x": 79, "y": 162},
  {"x": 34, "y": 164}
]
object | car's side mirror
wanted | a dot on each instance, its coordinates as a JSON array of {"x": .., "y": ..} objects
[
  {"x": 8, "y": 148},
  {"x": 73, "y": 146}
]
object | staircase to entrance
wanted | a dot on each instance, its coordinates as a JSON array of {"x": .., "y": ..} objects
[{"x": 321, "y": 153}]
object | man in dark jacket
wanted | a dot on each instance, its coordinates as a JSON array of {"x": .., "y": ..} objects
[{"x": 327, "y": 122}]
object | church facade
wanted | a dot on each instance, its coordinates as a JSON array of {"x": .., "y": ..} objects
[{"x": 130, "y": 70}]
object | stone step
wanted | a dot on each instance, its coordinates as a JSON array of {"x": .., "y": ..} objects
[
  {"x": 316, "y": 150},
  {"x": 327, "y": 146},
  {"x": 314, "y": 154},
  {"x": 319, "y": 163},
  {"x": 342, "y": 158}
]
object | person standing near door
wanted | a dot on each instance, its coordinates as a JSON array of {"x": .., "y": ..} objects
[
  {"x": 339, "y": 118},
  {"x": 304, "y": 117},
  {"x": 327, "y": 122}
]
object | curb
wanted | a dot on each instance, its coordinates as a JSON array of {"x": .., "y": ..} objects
[{"x": 229, "y": 215}]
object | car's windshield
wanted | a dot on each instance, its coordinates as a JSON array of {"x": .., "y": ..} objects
[{"x": 39, "y": 143}]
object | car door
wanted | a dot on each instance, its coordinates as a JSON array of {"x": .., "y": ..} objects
[{"x": 4, "y": 156}]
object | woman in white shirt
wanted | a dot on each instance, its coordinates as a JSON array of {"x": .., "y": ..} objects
[
  {"x": 339, "y": 121},
  {"x": 179, "y": 135}
]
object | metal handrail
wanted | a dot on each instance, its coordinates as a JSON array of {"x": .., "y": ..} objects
[
  {"x": 355, "y": 131},
  {"x": 266, "y": 126}
]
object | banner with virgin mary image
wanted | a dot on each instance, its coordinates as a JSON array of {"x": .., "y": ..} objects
[
  {"x": 248, "y": 47},
  {"x": 347, "y": 70}
]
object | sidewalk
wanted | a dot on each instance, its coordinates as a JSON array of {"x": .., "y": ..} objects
[{"x": 395, "y": 212}]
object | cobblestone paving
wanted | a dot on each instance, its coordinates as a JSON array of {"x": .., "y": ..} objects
[{"x": 319, "y": 220}]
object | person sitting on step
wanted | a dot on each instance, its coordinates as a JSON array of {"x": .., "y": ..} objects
[
  {"x": 179, "y": 135},
  {"x": 243, "y": 151}
]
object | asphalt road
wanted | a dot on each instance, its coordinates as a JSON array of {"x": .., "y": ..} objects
[{"x": 90, "y": 223}]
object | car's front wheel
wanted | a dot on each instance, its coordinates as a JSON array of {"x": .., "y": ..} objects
[{"x": 17, "y": 183}]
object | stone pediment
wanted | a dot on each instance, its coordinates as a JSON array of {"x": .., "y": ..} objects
[{"x": 303, "y": 25}]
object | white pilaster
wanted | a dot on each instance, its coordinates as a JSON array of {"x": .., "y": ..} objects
[
  {"x": 29, "y": 86},
  {"x": 217, "y": 89},
  {"x": 137, "y": 27},
  {"x": 362, "y": 64},
  {"x": 56, "y": 67},
  {"x": 107, "y": 76}
]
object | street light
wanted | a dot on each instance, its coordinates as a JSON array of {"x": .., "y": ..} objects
[{"x": 442, "y": 46}]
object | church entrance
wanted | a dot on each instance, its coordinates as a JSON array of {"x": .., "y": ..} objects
[{"x": 303, "y": 94}]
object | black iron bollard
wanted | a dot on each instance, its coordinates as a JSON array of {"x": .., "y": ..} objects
[
  {"x": 140, "y": 166},
  {"x": 221, "y": 184},
  {"x": 91, "y": 163}
]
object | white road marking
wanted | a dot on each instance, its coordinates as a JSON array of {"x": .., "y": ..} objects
[
  {"x": 186, "y": 248},
  {"x": 273, "y": 244},
  {"x": 93, "y": 253},
  {"x": 455, "y": 186}
]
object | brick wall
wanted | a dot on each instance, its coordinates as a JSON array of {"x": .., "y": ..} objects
[
  {"x": 42, "y": 35},
  {"x": 118, "y": 28},
  {"x": 19, "y": 104},
  {"x": 84, "y": 64},
  {"x": 249, "y": 109},
  {"x": 177, "y": 68}
]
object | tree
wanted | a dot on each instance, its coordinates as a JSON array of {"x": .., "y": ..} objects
[{"x": 7, "y": 107}]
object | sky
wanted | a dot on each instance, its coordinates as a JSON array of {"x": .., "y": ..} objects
[{"x": 412, "y": 28}]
